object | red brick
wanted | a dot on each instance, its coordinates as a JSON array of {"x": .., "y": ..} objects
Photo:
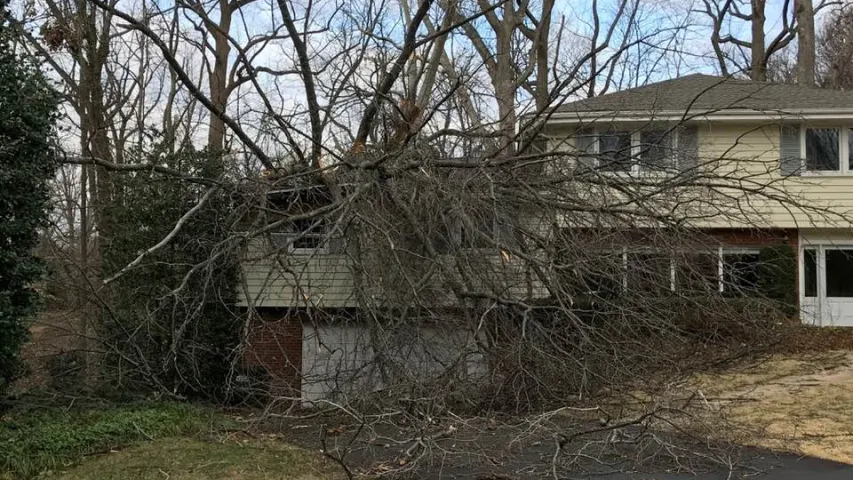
[{"x": 274, "y": 342}]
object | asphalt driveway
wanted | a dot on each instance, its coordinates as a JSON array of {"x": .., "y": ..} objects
[{"x": 770, "y": 467}]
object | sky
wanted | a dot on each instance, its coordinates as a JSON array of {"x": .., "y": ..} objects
[{"x": 675, "y": 42}]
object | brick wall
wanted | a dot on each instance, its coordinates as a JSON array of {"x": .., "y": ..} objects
[
  {"x": 274, "y": 342},
  {"x": 756, "y": 238}
]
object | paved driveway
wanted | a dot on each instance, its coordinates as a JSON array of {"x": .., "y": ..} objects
[{"x": 775, "y": 467}]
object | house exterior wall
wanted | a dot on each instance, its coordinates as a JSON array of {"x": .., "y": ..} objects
[
  {"x": 326, "y": 280},
  {"x": 742, "y": 160},
  {"x": 751, "y": 151},
  {"x": 295, "y": 280},
  {"x": 274, "y": 343},
  {"x": 339, "y": 360}
]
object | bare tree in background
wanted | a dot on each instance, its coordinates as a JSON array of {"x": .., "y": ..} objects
[
  {"x": 736, "y": 54},
  {"x": 832, "y": 54},
  {"x": 731, "y": 50},
  {"x": 805, "y": 42},
  {"x": 835, "y": 50}
]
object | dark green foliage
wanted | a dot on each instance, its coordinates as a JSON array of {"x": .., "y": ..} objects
[
  {"x": 34, "y": 441},
  {"x": 27, "y": 113},
  {"x": 777, "y": 276},
  {"x": 171, "y": 324}
]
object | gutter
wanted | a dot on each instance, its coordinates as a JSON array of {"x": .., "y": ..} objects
[{"x": 731, "y": 115}]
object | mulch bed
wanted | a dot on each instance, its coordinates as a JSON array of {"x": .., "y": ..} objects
[{"x": 808, "y": 339}]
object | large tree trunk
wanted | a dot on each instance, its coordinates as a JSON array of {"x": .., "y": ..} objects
[
  {"x": 219, "y": 76},
  {"x": 505, "y": 81},
  {"x": 543, "y": 61},
  {"x": 759, "y": 61},
  {"x": 805, "y": 43},
  {"x": 91, "y": 55}
]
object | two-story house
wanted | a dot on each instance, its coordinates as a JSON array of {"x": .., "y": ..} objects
[
  {"x": 769, "y": 163},
  {"x": 751, "y": 163}
]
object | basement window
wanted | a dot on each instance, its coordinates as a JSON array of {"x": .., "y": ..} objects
[
  {"x": 697, "y": 273},
  {"x": 649, "y": 273},
  {"x": 728, "y": 271}
]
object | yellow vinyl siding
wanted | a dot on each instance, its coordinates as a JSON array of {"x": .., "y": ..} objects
[
  {"x": 320, "y": 280},
  {"x": 742, "y": 161},
  {"x": 750, "y": 152},
  {"x": 327, "y": 280}
]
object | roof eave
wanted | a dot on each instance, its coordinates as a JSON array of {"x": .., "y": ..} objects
[{"x": 574, "y": 118}]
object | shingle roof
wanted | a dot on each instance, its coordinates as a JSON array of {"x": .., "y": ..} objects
[{"x": 700, "y": 92}]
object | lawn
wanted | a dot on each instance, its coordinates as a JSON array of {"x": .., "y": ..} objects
[
  {"x": 163, "y": 441},
  {"x": 191, "y": 459}
]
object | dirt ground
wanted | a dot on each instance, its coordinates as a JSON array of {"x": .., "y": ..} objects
[
  {"x": 795, "y": 403},
  {"x": 52, "y": 333}
]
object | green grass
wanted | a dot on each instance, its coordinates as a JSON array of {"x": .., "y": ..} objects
[
  {"x": 32, "y": 442},
  {"x": 197, "y": 459}
]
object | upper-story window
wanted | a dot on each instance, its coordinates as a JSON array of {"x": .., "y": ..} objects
[
  {"x": 628, "y": 151},
  {"x": 614, "y": 151},
  {"x": 827, "y": 149},
  {"x": 305, "y": 236},
  {"x": 656, "y": 149}
]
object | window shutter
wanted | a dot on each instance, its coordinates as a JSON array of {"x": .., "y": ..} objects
[
  {"x": 585, "y": 145},
  {"x": 688, "y": 147},
  {"x": 790, "y": 160},
  {"x": 505, "y": 230}
]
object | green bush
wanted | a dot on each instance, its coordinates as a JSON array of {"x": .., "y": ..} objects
[
  {"x": 27, "y": 114},
  {"x": 171, "y": 324},
  {"x": 777, "y": 276},
  {"x": 32, "y": 442}
]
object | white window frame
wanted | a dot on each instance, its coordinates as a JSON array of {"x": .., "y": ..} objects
[
  {"x": 321, "y": 233},
  {"x": 720, "y": 251},
  {"x": 636, "y": 148},
  {"x": 733, "y": 250},
  {"x": 843, "y": 151}
]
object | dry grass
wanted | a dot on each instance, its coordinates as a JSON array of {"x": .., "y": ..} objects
[{"x": 798, "y": 403}]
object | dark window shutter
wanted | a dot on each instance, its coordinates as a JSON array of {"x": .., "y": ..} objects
[
  {"x": 336, "y": 241},
  {"x": 688, "y": 147},
  {"x": 790, "y": 158}
]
